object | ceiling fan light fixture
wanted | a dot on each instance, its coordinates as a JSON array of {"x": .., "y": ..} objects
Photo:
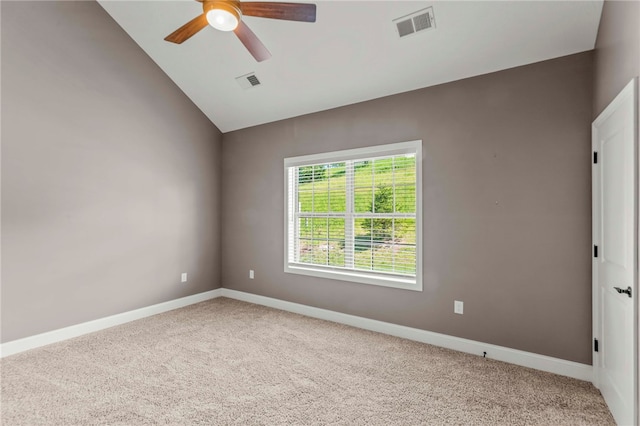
[
  {"x": 223, "y": 16},
  {"x": 226, "y": 15}
]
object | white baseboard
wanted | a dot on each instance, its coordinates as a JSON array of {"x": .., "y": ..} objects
[
  {"x": 500, "y": 353},
  {"x": 31, "y": 342}
]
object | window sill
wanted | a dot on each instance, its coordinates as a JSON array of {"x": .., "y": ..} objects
[{"x": 354, "y": 276}]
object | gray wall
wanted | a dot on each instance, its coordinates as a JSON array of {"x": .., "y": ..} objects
[
  {"x": 507, "y": 225},
  {"x": 110, "y": 175},
  {"x": 617, "y": 52}
]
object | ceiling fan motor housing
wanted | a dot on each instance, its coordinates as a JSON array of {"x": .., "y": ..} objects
[{"x": 231, "y": 6}]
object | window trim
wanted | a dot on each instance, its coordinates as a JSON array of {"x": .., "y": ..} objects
[{"x": 364, "y": 277}]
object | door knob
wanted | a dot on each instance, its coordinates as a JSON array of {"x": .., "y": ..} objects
[{"x": 621, "y": 291}]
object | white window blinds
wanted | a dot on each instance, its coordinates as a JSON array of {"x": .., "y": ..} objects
[{"x": 355, "y": 213}]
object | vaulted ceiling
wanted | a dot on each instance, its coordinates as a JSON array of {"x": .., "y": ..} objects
[{"x": 352, "y": 53}]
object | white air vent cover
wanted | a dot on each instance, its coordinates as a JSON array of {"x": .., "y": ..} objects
[
  {"x": 416, "y": 22},
  {"x": 248, "y": 81}
]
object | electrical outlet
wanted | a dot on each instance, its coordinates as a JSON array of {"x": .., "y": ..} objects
[
  {"x": 458, "y": 307},
  {"x": 183, "y": 277},
  {"x": 251, "y": 274}
]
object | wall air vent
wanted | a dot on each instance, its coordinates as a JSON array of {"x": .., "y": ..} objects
[
  {"x": 416, "y": 22},
  {"x": 248, "y": 81}
]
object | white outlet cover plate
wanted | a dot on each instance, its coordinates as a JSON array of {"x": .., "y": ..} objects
[
  {"x": 251, "y": 275},
  {"x": 458, "y": 307},
  {"x": 183, "y": 277}
]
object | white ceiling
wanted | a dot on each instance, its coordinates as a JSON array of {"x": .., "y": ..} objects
[{"x": 352, "y": 53}]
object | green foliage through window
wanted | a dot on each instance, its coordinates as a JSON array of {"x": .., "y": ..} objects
[{"x": 379, "y": 233}]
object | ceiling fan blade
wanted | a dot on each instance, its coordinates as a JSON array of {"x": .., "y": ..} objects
[
  {"x": 304, "y": 12},
  {"x": 188, "y": 30},
  {"x": 252, "y": 42}
]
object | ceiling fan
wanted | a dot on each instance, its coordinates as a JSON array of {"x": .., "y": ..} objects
[{"x": 226, "y": 15}]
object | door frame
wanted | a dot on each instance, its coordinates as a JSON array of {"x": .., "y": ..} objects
[{"x": 632, "y": 89}]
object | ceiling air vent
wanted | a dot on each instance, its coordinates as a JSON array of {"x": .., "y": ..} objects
[
  {"x": 416, "y": 22},
  {"x": 248, "y": 81}
]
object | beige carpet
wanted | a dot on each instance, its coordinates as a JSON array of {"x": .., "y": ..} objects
[{"x": 229, "y": 362}]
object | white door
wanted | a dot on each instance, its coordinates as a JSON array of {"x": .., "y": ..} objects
[{"x": 615, "y": 254}]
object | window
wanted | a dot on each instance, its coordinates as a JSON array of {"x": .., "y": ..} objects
[{"x": 355, "y": 215}]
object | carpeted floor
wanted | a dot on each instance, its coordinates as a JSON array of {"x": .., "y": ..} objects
[{"x": 229, "y": 362}]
